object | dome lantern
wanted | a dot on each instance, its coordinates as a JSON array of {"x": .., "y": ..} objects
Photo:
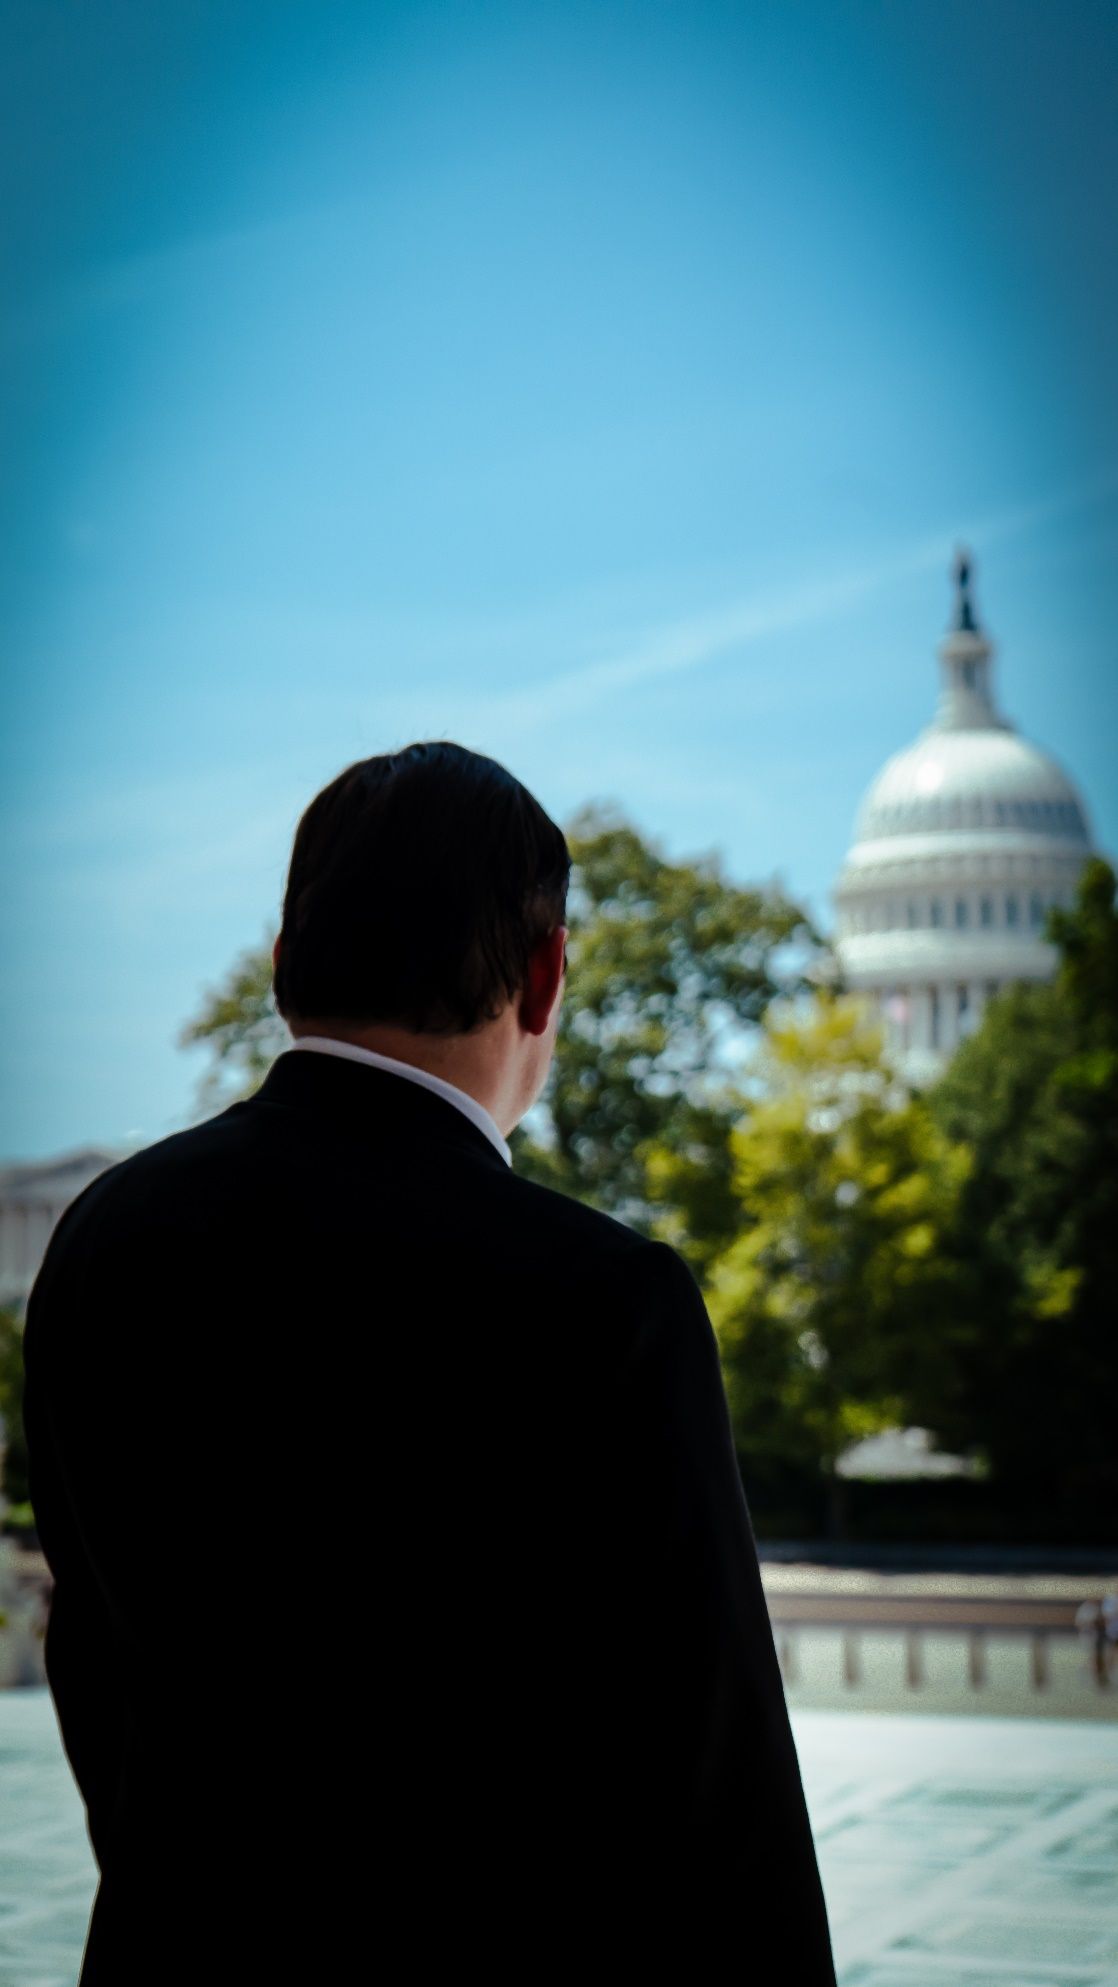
[{"x": 966, "y": 696}]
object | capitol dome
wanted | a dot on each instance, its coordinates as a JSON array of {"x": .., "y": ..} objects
[{"x": 963, "y": 841}]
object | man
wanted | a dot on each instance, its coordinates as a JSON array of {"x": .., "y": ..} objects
[{"x": 406, "y": 1600}]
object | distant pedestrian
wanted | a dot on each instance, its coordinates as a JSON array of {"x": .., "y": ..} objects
[{"x": 1090, "y": 1620}]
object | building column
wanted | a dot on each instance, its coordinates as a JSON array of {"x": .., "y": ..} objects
[
  {"x": 938, "y": 1023},
  {"x": 977, "y": 1002},
  {"x": 921, "y": 1032}
]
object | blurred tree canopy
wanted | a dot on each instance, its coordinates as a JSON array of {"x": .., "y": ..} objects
[
  {"x": 1034, "y": 1095},
  {"x": 835, "y": 1286},
  {"x": 871, "y": 1255},
  {"x": 239, "y": 1025},
  {"x": 670, "y": 966},
  {"x": 14, "y": 1479}
]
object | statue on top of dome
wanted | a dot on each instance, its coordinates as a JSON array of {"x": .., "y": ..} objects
[{"x": 964, "y": 606}]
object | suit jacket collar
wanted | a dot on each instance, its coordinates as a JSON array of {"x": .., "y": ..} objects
[
  {"x": 374, "y": 1103},
  {"x": 427, "y": 1080}
]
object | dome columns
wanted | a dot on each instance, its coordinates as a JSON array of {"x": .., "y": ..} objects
[{"x": 932, "y": 1019}]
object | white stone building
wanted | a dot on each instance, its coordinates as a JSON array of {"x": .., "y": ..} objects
[
  {"x": 962, "y": 842},
  {"x": 32, "y": 1197}
]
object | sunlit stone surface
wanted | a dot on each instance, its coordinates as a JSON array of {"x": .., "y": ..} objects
[{"x": 955, "y": 1852}]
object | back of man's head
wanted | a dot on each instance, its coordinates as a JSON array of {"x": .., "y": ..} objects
[{"x": 420, "y": 881}]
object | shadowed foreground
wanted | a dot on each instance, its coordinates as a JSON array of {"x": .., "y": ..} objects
[{"x": 955, "y": 1852}]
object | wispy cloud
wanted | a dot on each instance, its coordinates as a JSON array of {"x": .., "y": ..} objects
[
  {"x": 200, "y": 835},
  {"x": 507, "y": 716},
  {"x": 129, "y": 281},
  {"x": 157, "y": 849}
]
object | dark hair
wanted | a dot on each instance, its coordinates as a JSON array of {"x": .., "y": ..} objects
[{"x": 419, "y": 883}]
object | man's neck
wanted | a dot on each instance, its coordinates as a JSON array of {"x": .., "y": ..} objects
[{"x": 477, "y": 1064}]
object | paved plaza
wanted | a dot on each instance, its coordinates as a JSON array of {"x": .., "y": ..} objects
[
  {"x": 955, "y": 1851},
  {"x": 975, "y": 1851}
]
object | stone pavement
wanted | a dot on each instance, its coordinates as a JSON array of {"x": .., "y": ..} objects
[
  {"x": 955, "y": 1851},
  {"x": 965, "y": 1851}
]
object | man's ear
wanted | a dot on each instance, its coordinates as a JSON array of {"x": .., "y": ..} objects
[{"x": 546, "y": 965}]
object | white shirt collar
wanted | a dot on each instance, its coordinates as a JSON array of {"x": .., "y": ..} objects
[{"x": 329, "y": 1045}]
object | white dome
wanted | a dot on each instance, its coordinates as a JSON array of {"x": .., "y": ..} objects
[
  {"x": 963, "y": 843},
  {"x": 981, "y": 779}
]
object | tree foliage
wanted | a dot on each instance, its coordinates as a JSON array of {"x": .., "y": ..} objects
[
  {"x": 670, "y": 966},
  {"x": 14, "y": 1480},
  {"x": 837, "y": 1285},
  {"x": 1034, "y": 1095},
  {"x": 239, "y": 1025},
  {"x": 870, "y": 1255}
]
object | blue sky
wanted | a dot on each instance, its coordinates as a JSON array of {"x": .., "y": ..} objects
[{"x": 606, "y": 387}]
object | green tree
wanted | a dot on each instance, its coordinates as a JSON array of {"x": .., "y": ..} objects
[
  {"x": 14, "y": 1480},
  {"x": 238, "y": 1023},
  {"x": 836, "y": 1292},
  {"x": 671, "y": 966},
  {"x": 1034, "y": 1095}
]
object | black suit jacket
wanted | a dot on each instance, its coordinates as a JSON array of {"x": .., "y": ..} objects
[{"x": 405, "y": 1588}]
